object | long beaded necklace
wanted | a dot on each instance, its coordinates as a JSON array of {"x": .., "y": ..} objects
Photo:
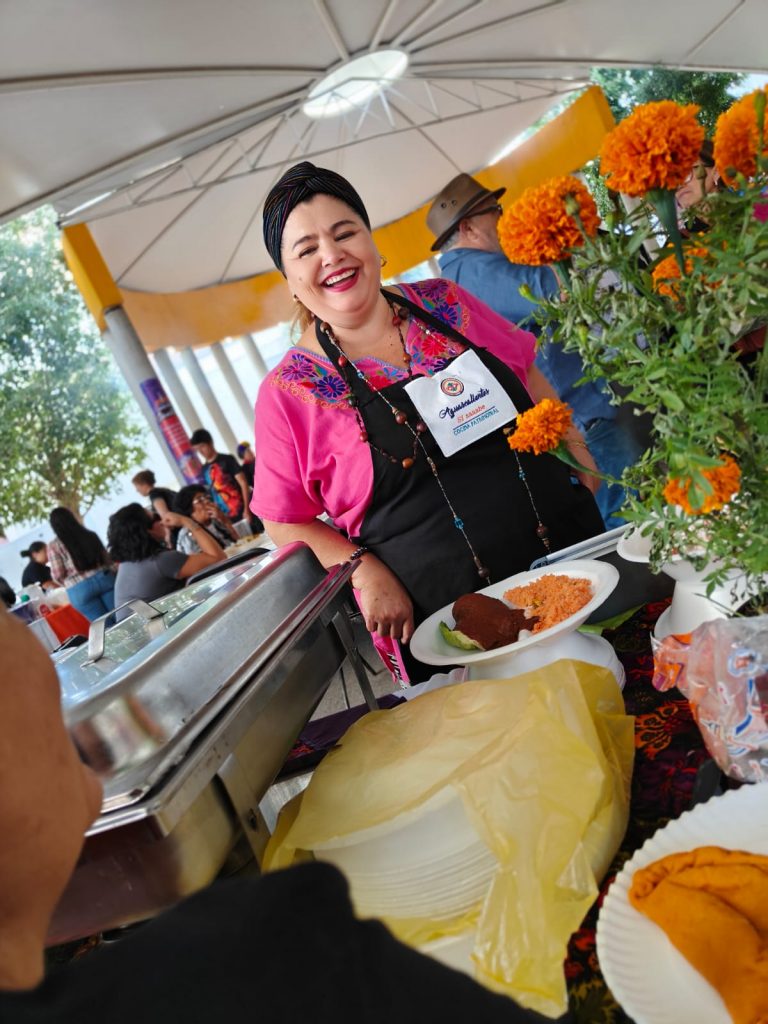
[{"x": 416, "y": 431}]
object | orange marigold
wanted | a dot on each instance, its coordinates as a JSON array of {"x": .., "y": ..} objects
[
  {"x": 542, "y": 428},
  {"x": 537, "y": 228},
  {"x": 667, "y": 271},
  {"x": 654, "y": 148},
  {"x": 725, "y": 481},
  {"x": 736, "y": 138}
]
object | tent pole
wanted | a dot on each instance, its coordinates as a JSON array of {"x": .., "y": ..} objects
[
  {"x": 164, "y": 364},
  {"x": 215, "y": 411},
  {"x": 234, "y": 382}
]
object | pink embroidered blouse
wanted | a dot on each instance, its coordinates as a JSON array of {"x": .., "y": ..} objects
[{"x": 309, "y": 457}]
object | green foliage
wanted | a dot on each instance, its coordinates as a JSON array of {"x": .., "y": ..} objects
[
  {"x": 626, "y": 88},
  {"x": 676, "y": 357},
  {"x": 67, "y": 429}
]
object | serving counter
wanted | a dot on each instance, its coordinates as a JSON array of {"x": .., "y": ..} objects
[{"x": 187, "y": 710}]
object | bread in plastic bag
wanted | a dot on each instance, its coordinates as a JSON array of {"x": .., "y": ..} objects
[{"x": 722, "y": 668}]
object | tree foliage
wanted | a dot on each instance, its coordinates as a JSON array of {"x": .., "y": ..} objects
[
  {"x": 626, "y": 88},
  {"x": 67, "y": 429}
]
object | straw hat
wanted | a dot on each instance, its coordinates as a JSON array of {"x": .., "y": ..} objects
[{"x": 459, "y": 197}]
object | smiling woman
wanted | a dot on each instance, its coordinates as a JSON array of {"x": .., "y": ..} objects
[{"x": 433, "y": 508}]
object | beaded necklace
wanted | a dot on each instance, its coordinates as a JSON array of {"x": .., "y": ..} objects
[{"x": 399, "y": 315}]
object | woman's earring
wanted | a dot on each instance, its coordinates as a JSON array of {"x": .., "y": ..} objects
[
  {"x": 383, "y": 260},
  {"x": 295, "y": 299}
]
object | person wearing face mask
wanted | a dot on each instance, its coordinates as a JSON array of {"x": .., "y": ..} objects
[
  {"x": 238, "y": 944},
  {"x": 388, "y": 418}
]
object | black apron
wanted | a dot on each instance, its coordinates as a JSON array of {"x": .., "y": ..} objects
[{"x": 408, "y": 524}]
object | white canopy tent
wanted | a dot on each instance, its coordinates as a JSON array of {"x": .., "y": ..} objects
[
  {"x": 163, "y": 123},
  {"x": 156, "y": 128}
]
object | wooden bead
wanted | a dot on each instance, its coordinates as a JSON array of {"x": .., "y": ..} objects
[
  {"x": 363, "y": 435},
  {"x": 542, "y": 531},
  {"x": 343, "y": 361},
  {"x": 400, "y": 418},
  {"x": 420, "y": 427},
  {"x": 407, "y": 463}
]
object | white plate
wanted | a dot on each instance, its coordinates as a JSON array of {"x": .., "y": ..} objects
[
  {"x": 652, "y": 981},
  {"x": 428, "y": 645}
]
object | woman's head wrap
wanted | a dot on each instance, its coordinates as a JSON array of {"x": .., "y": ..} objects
[{"x": 296, "y": 186}]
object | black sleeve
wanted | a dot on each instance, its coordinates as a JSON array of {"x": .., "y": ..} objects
[
  {"x": 35, "y": 573},
  {"x": 230, "y": 465},
  {"x": 280, "y": 949}
]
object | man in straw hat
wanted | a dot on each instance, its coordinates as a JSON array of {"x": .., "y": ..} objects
[{"x": 464, "y": 219}]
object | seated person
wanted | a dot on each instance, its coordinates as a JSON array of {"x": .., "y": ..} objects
[
  {"x": 193, "y": 501},
  {"x": 278, "y": 945},
  {"x": 146, "y": 569},
  {"x": 37, "y": 569}
]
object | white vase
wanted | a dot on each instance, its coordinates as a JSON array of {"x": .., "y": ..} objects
[{"x": 691, "y": 605}]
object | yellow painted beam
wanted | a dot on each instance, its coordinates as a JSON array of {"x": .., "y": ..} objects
[
  {"x": 91, "y": 273},
  {"x": 206, "y": 315}
]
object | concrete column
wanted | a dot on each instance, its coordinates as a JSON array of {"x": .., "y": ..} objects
[
  {"x": 233, "y": 381},
  {"x": 215, "y": 411},
  {"x": 250, "y": 346},
  {"x": 134, "y": 364},
  {"x": 176, "y": 389}
]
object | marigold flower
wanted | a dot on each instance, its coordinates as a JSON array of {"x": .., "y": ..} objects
[
  {"x": 542, "y": 428},
  {"x": 654, "y": 148},
  {"x": 537, "y": 228},
  {"x": 724, "y": 479},
  {"x": 736, "y": 138},
  {"x": 667, "y": 271}
]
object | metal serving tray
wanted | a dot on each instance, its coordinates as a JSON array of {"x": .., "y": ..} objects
[
  {"x": 135, "y": 710},
  {"x": 146, "y": 851}
]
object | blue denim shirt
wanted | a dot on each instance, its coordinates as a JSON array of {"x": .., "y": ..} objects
[{"x": 493, "y": 279}]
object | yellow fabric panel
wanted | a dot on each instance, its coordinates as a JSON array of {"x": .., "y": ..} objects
[{"x": 205, "y": 315}]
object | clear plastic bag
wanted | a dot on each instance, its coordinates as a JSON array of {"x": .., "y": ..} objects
[
  {"x": 542, "y": 764},
  {"x": 722, "y": 668}
]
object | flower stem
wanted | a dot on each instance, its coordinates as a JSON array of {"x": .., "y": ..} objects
[
  {"x": 562, "y": 269},
  {"x": 663, "y": 201}
]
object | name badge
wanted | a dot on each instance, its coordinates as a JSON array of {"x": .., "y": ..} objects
[{"x": 461, "y": 403}]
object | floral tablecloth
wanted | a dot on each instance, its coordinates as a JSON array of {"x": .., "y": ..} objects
[{"x": 668, "y": 754}]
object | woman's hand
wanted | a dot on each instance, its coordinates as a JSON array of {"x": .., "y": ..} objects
[
  {"x": 582, "y": 454},
  {"x": 384, "y": 601}
]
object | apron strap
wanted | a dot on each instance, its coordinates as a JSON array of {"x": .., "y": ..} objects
[{"x": 431, "y": 320}]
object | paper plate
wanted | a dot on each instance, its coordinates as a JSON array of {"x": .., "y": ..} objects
[
  {"x": 652, "y": 981},
  {"x": 428, "y": 645}
]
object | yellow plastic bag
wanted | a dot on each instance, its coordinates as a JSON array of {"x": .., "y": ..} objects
[{"x": 542, "y": 763}]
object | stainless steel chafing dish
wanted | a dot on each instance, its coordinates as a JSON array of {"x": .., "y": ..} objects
[{"x": 187, "y": 711}]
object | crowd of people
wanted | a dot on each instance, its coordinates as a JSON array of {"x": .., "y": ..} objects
[{"x": 151, "y": 550}]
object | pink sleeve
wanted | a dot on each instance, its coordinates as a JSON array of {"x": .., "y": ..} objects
[
  {"x": 280, "y": 491},
  {"x": 309, "y": 458},
  {"x": 511, "y": 344}
]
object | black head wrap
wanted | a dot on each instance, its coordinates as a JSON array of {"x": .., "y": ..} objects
[{"x": 298, "y": 184}]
